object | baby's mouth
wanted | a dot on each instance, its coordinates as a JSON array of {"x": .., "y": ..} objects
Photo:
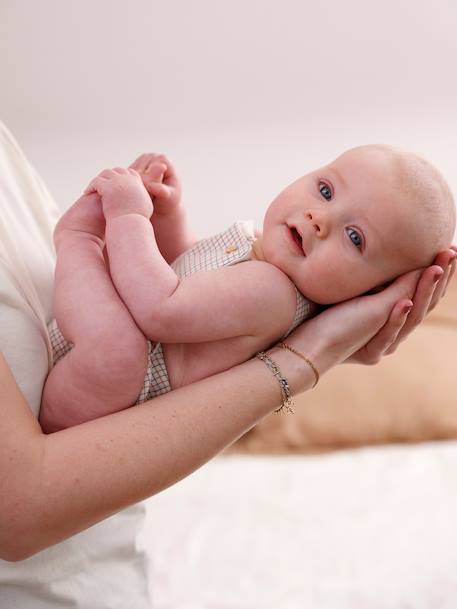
[{"x": 297, "y": 238}]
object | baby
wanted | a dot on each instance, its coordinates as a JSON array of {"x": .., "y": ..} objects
[{"x": 142, "y": 307}]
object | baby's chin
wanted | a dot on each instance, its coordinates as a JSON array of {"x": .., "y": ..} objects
[
  {"x": 328, "y": 297},
  {"x": 325, "y": 297}
]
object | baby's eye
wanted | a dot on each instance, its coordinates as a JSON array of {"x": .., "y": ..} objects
[
  {"x": 325, "y": 190},
  {"x": 355, "y": 237}
]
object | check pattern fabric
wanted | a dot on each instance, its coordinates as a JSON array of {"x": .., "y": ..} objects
[
  {"x": 224, "y": 249},
  {"x": 156, "y": 380},
  {"x": 60, "y": 346}
]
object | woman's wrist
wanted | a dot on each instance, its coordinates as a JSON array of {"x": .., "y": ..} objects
[
  {"x": 310, "y": 340},
  {"x": 299, "y": 375}
]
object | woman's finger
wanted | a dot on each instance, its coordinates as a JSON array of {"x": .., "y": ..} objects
[
  {"x": 386, "y": 340},
  {"x": 444, "y": 260},
  {"x": 421, "y": 300},
  {"x": 440, "y": 288},
  {"x": 451, "y": 273},
  {"x": 430, "y": 289}
]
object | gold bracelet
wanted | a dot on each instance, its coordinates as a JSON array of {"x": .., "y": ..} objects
[
  {"x": 284, "y": 345},
  {"x": 287, "y": 401}
]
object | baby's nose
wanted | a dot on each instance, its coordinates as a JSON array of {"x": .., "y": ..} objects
[{"x": 319, "y": 222}]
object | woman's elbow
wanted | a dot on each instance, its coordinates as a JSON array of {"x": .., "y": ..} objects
[
  {"x": 22, "y": 506},
  {"x": 15, "y": 546},
  {"x": 20, "y": 531},
  {"x": 13, "y": 555}
]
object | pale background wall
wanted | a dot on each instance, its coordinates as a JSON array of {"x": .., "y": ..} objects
[{"x": 243, "y": 95}]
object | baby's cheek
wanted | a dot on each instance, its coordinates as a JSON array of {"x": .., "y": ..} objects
[{"x": 331, "y": 285}]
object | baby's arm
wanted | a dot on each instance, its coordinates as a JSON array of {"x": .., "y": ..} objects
[
  {"x": 169, "y": 220},
  {"x": 229, "y": 302}
]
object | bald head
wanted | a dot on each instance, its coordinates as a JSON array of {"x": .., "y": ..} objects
[{"x": 421, "y": 185}]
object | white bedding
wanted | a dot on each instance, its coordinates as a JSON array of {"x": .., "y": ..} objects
[{"x": 371, "y": 528}]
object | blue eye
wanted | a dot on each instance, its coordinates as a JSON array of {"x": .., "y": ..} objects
[
  {"x": 325, "y": 191},
  {"x": 355, "y": 237}
]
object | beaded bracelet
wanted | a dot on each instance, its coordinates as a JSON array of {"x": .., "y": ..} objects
[{"x": 287, "y": 401}]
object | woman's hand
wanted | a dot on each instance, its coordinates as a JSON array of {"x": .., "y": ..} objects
[
  {"x": 430, "y": 288},
  {"x": 341, "y": 331},
  {"x": 363, "y": 329}
]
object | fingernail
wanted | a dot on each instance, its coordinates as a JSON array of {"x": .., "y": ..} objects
[
  {"x": 437, "y": 276},
  {"x": 406, "y": 309}
]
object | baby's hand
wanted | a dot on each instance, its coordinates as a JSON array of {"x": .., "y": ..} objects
[
  {"x": 160, "y": 180},
  {"x": 122, "y": 192}
]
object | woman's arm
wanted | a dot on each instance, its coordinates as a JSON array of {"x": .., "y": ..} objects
[{"x": 53, "y": 486}]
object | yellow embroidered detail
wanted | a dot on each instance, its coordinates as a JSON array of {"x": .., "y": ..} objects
[{"x": 230, "y": 249}]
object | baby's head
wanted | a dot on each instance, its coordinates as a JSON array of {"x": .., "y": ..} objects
[{"x": 372, "y": 214}]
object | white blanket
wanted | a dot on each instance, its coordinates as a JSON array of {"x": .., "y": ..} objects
[{"x": 362, "y": 529}]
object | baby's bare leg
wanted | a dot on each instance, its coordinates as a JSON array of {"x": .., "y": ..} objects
[{"x": 105, "y": 369}]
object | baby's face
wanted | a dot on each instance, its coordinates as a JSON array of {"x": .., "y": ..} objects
[{"x": 344, "y": 229}]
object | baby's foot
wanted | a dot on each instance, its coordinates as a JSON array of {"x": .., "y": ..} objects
[{"x": 84, "y": 216}]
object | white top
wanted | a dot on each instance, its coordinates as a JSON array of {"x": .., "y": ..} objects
[{"x": 101, "y": 567}]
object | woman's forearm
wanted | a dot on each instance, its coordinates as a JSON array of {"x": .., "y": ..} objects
[
  {"x": 57, "y": 485},
  {"x": 60, "y": 484}
]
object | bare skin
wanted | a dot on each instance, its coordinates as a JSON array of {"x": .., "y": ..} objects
[
  {"x": 79, "y": 244},
  {"x": 56, "y": 485},
  {"x": 200, "y": 337}
]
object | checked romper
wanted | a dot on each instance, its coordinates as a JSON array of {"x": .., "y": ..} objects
[{"x": 224, "y": 249}]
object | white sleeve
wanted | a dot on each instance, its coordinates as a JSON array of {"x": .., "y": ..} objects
[
  {"x": 103, "y": 566},
  {"x": 27, "y": 217}
]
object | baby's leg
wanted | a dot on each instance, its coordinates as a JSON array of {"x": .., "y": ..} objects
[{"x": 105, "y": 369}]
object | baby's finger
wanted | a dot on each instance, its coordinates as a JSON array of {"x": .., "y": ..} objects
[
  {"x": 140, "y": 163},
  {"x": 92, "y": 187},
  {"x": 145, "y": 160},
  {"x": 156, "y": 189},
  {"x": 155, "y": 171},
  {"x": 105, "y": 174},
  {"x": 169, "y": 177},
  {"x": 133, "y": 172}
]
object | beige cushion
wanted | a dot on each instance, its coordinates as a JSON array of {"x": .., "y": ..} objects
[{"x": 408, "y": 397}]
